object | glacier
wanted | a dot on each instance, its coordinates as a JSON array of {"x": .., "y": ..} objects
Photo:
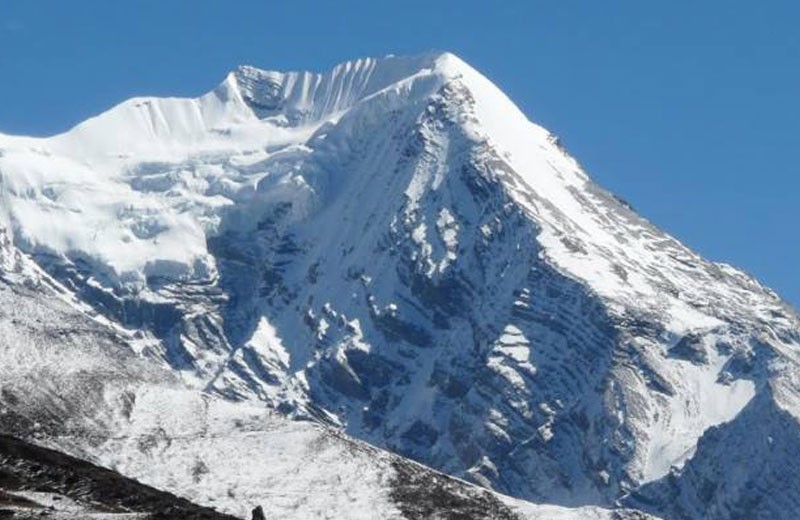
[{"x": 392, "y": 255}]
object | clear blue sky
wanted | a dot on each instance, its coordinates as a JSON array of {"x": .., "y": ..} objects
[{"x": 688, "y": 109}]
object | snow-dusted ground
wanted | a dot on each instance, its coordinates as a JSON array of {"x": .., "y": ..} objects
[
  {"x": 235, "y": 458},
  {"x": 391, "y": 248}
]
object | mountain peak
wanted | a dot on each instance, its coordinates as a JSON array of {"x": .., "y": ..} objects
[
  {"x": 391, "y": 246},
  {"x": 304, "y": 95}
]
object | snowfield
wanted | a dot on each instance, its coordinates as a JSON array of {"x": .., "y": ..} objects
[{"x": 394, "y": 256}]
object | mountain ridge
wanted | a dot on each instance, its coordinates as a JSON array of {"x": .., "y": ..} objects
[{"x": 399, "y": 252}]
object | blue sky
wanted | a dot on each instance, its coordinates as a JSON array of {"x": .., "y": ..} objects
[{"x": 689, "y": 110}]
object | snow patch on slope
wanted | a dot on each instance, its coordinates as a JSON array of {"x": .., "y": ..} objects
[{"x": 675, "y": 432}]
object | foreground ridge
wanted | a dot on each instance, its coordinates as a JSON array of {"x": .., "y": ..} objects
[{"x": 46, "y": 483}]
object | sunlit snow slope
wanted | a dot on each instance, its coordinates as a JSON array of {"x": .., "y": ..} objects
[{"x": 392, "y": 248}]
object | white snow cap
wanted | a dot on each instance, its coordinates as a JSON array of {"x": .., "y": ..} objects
[
  {"x": 136, "y": 190},
  {"x": 309, "y": 96}
]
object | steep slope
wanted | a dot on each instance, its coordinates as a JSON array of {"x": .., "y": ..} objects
[
  {"x": 394, "y": 249},
  {"x": 73, "y": 381},
  {"x": 44, "y": 483}
]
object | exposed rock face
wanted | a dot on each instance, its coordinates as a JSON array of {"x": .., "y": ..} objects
[
  {"x": 394, "y": 250},
  {"x": 258, "y": 513}
]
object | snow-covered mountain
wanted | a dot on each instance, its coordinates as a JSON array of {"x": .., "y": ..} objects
[
  {"x": 391, "y": 250},
  {"x": 73, "y": 381}
]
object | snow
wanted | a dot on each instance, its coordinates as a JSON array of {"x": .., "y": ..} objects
[
  {"x": 514, "y": 344},
  {"x": 429, "y": 239},
  {"x": 234, "y": 457},
  {"x": 138, "y": 189},
  {"x": 266, "y": 340},
  {"x": 511, "y": 356},
  {"x": 675, "y": 433},
  {"x": 550, "y": 512}
]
